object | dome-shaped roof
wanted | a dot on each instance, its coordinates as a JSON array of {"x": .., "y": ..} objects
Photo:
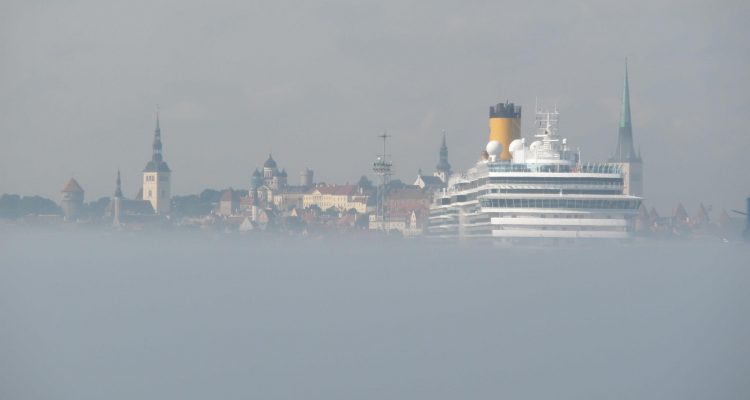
[
  {"x": 270, "y": 163},
  {"x": 283, "y": 173},
  {"x": 256, "y": 173}
]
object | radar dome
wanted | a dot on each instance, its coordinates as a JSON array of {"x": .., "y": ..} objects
[
  {"x": 494, "y": 147},
  {"x": 535, "y": 144},
  {"x": 515, "y": 145}
]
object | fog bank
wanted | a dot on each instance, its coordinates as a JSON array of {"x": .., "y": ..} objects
[{"x": 128, "y": 316}]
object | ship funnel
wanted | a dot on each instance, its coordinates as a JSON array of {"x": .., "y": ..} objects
[{"x": 505, "y": 126}]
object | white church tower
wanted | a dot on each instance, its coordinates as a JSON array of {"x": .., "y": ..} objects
[{"x": 157, "y": 177}]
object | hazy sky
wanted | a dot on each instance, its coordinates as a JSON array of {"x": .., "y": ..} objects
[{"x": 316, "y": 82}]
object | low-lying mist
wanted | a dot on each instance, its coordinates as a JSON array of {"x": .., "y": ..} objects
[{"x": 86, "y": 315}]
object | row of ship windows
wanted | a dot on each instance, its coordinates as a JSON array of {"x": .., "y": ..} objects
[
  {"x": 561, "y": 203},
  {"x": 604, "y": 182},
  {"x": 442, "y": 213},
  {"x": 485, "y": 217},
  {"x": 572, "y": 216},
  {"x": 556, "y": 191},
  {"x": 563, "y": 228},
  {"x": 587, "y": 168},
  {"x": 563, "y": 181},
  {"x": 473, "y": 196}
]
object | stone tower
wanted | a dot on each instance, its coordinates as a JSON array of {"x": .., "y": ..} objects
[
  {"x": 157, "y": 177},
  {"x": 625, "y": 155},
  {"x": 306, "y": 177},
  {"x": 71, "y": 201}
]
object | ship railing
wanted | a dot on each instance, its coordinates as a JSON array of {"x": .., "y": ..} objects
[{"x": 596, "y": 168}]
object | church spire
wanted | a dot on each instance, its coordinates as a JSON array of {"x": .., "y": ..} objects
[
  {"x": 156, "y": 176},
  {"x": 157, "y": 163},
  {"x": 625, "y": 106},
  {"x": 625, "y": 151},
  {"x": 443, "y": 165},
  {"x": 157, "y": 157},
  {"x": 118, "y": 186}
]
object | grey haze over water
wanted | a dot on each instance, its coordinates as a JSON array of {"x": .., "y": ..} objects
[
  {"x": 121, "y": 316},
  {"x": 314, "y": 82}
]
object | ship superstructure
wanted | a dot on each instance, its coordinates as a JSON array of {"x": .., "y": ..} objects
[{"x": 543, "y": 191}]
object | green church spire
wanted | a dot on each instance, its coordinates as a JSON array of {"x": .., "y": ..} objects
[
  {"x": 625, "y": 148},
  {"x": 625, "y": 106}
]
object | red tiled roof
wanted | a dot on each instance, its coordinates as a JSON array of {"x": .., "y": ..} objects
[{"x": 72, "y": 187}]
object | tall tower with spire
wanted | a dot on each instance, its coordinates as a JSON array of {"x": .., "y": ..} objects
[
  {"x": 625, "y": 155},
  {"x": 118, "y": 186},
  {"x": 443, "y": 168},
  {"x": 117, "y": 202},
  {"x": 157, "y": 177}
]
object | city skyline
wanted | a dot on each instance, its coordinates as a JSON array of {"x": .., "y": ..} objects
[
  {"x": 336, "y": 199},
  {"x": 73, "y": 117}
]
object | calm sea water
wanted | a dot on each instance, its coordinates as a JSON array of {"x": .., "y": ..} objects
[{"x": 123, "y": 316}]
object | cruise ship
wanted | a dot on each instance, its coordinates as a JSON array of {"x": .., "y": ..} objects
[{"x": 533, "y": 191}]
